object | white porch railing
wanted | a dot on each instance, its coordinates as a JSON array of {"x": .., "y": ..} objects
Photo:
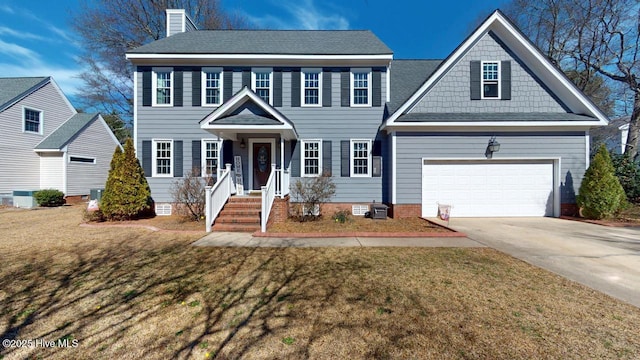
[
  {"x": 268, "y": 195},
  {"x": 217, "y": 195},
  {"x": 282, "y": 183}
]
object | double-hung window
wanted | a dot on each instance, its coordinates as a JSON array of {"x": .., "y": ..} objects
[
  {"x": 163, "y": 87},
  {"x": 361, "y": 87},
  {"x": 360, "y": 158},
  {"x": 211, "y": 86},
  {"x": 32, "y": 120},
  {"x": 162, "y": 158},
  {"x": 311, "y": 87},
  {"x": 311, "y": 158},
  {"x": 210, "y": 157},
  {"x": 490, "y": 79},
  {"x": 262, "y": 84}
]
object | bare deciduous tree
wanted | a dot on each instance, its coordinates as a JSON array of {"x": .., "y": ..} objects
[
  {"x": 591, "y": 37},
  {"x": 107, "y": 29}
]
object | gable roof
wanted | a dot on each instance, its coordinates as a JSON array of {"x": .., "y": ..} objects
[
  {"x": 14, "y": 89},
  {"x": 406, "y": 77},
  {"x": 227, "y": 124},
  {"x": 279, "y": 42},
  {"x": 517, "y": 42},
  {"x": 65, "y": 132}
]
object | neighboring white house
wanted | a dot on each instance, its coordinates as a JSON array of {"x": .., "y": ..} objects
[
  {"x": 624, "y": 133},
  {"x": 47, "y": 143}
]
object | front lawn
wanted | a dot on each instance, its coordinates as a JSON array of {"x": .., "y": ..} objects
[{"x": 132, "y": 293}]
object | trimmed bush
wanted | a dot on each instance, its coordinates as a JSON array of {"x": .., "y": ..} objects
[
  {"x": 601, "y": 194},
  {"x": 50, "y": 197},
  {"x": 126, "y": 195}
]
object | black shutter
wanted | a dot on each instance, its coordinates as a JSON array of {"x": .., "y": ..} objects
[
  {"x": 326, "y": 158},
  {"x": 506, "y": 79},
  {"x": 277, "y": 88},
  {"x": 376, "y": 159},
  {"x": 326, "y": 88},
  {"x": 178, "y": 161},
  {"x": 227, "y": 84},
  {"x": 196, "y": 155},
  {"x": 345, "y": 88},
  {"x": 146, "y": 158},
  {"x": 196, "y": 84},
  {"x": 246, "y": 78},
  {"x": 227, "y": 153},
  {"x": 295, "y": 158},
  {"x": 177, "y": 88},
  {"x": 146, "y": 87},
  {"x": 345, "y": 158},
  {"x": 474, "y": 74},
  {"x": 295, "y": 88},
  {"x": 376, "y": 88}
]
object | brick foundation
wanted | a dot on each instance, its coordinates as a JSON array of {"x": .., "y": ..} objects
[
  {"x": 279, "y": 211},
  {"x": 76, "y": 199},
  {"x": 569, "y": 210},
  {"x": 399, "y": 211}
]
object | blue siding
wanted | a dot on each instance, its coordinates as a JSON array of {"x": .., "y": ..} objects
[{"x": 412, "y": 147}]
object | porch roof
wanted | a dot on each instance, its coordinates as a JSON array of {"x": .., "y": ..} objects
[{"x": 230, "y": 119}]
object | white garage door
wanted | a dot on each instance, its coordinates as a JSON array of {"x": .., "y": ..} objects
[{"x": 488, "y": 188}]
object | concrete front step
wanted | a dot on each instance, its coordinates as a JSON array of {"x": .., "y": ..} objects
[{"x": 236, "y": 227}]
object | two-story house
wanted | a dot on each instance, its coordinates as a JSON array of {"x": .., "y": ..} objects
[
  {"x": 494, "y": 129},
  {"x": 47, "y": 143}
]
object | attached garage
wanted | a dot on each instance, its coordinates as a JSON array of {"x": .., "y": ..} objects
[{"x": 491, "y": 188}]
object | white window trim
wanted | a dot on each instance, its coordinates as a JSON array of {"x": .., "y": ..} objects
[
  {"x": 154, "y": 86},
  {"x": 203, "y": 155},
  {"x": 352, "y": 90},
  {"x": 162, "y": 208},
  {"x": 82, "y": 162},
  {"x": 24, "y": 120},
  {"x": 253, "y": 81},
  {"x": 482, "y": 80},
  {"x": 203, "y": 87},
  {"x": 369, "y": 158},
  {"x": 303, "y": 158},
  {"x": 303, "y": 72},
  {"x": 154, "y": 155},
  {"x": 359, "y": 209}
]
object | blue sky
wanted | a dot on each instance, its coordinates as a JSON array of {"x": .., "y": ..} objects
[{"x": 35, "y": 38}]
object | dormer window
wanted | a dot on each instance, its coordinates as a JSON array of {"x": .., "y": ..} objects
[
  {"x": 491, "y": 80},
  {"x": 262, "y": 84}
]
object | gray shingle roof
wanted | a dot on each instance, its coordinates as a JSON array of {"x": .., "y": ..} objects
[
  {"x": 511, "y": 116},
  {"x": 282, "y": 42},
  {"x": 246, "y": 119},
  {"x": 14, "y": 88},
  {"x": 63, "y": 134},
  {"x": 406, "y": 77}
]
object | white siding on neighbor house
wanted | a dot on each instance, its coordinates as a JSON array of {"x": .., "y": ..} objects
[
  {"x": 95, "y": 141},
  {"x": 52, "y": 171},
  {"x": 452, "y": 93},
  {"x": 19, "y": 164}
]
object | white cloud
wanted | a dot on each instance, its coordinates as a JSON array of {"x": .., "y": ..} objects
[
  {"x": 301, "y": 15},
  {"x": 7, "y": 9},
  {"x": 21, "y": 34},
  {"x": 67, "y": 79},
  {"x": 16, "y": 51}
]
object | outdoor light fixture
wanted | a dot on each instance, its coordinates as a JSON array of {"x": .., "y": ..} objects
[
  {"x": 243, "y": 145},
  {"x": 494, "y": 145}
]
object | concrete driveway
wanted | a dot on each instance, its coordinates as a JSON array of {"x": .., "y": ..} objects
[{"x": 603, "y": 258}]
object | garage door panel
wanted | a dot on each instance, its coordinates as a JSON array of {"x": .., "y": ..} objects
[{"x": 482, "y": 188}]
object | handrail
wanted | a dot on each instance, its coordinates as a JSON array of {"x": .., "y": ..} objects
[
  {"x": 268, "y": 195},
  {"x": 217, "y": 195}
]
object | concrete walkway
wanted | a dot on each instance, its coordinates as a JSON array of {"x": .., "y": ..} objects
[
  {"x": 603, "y": 258},
  {"x": 230, "y": 239}
]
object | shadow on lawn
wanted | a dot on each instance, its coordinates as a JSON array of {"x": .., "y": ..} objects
[{"x": 101, "y": 295}]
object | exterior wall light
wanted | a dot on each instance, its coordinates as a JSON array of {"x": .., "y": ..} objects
[{"x": 494, "y": 145}]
